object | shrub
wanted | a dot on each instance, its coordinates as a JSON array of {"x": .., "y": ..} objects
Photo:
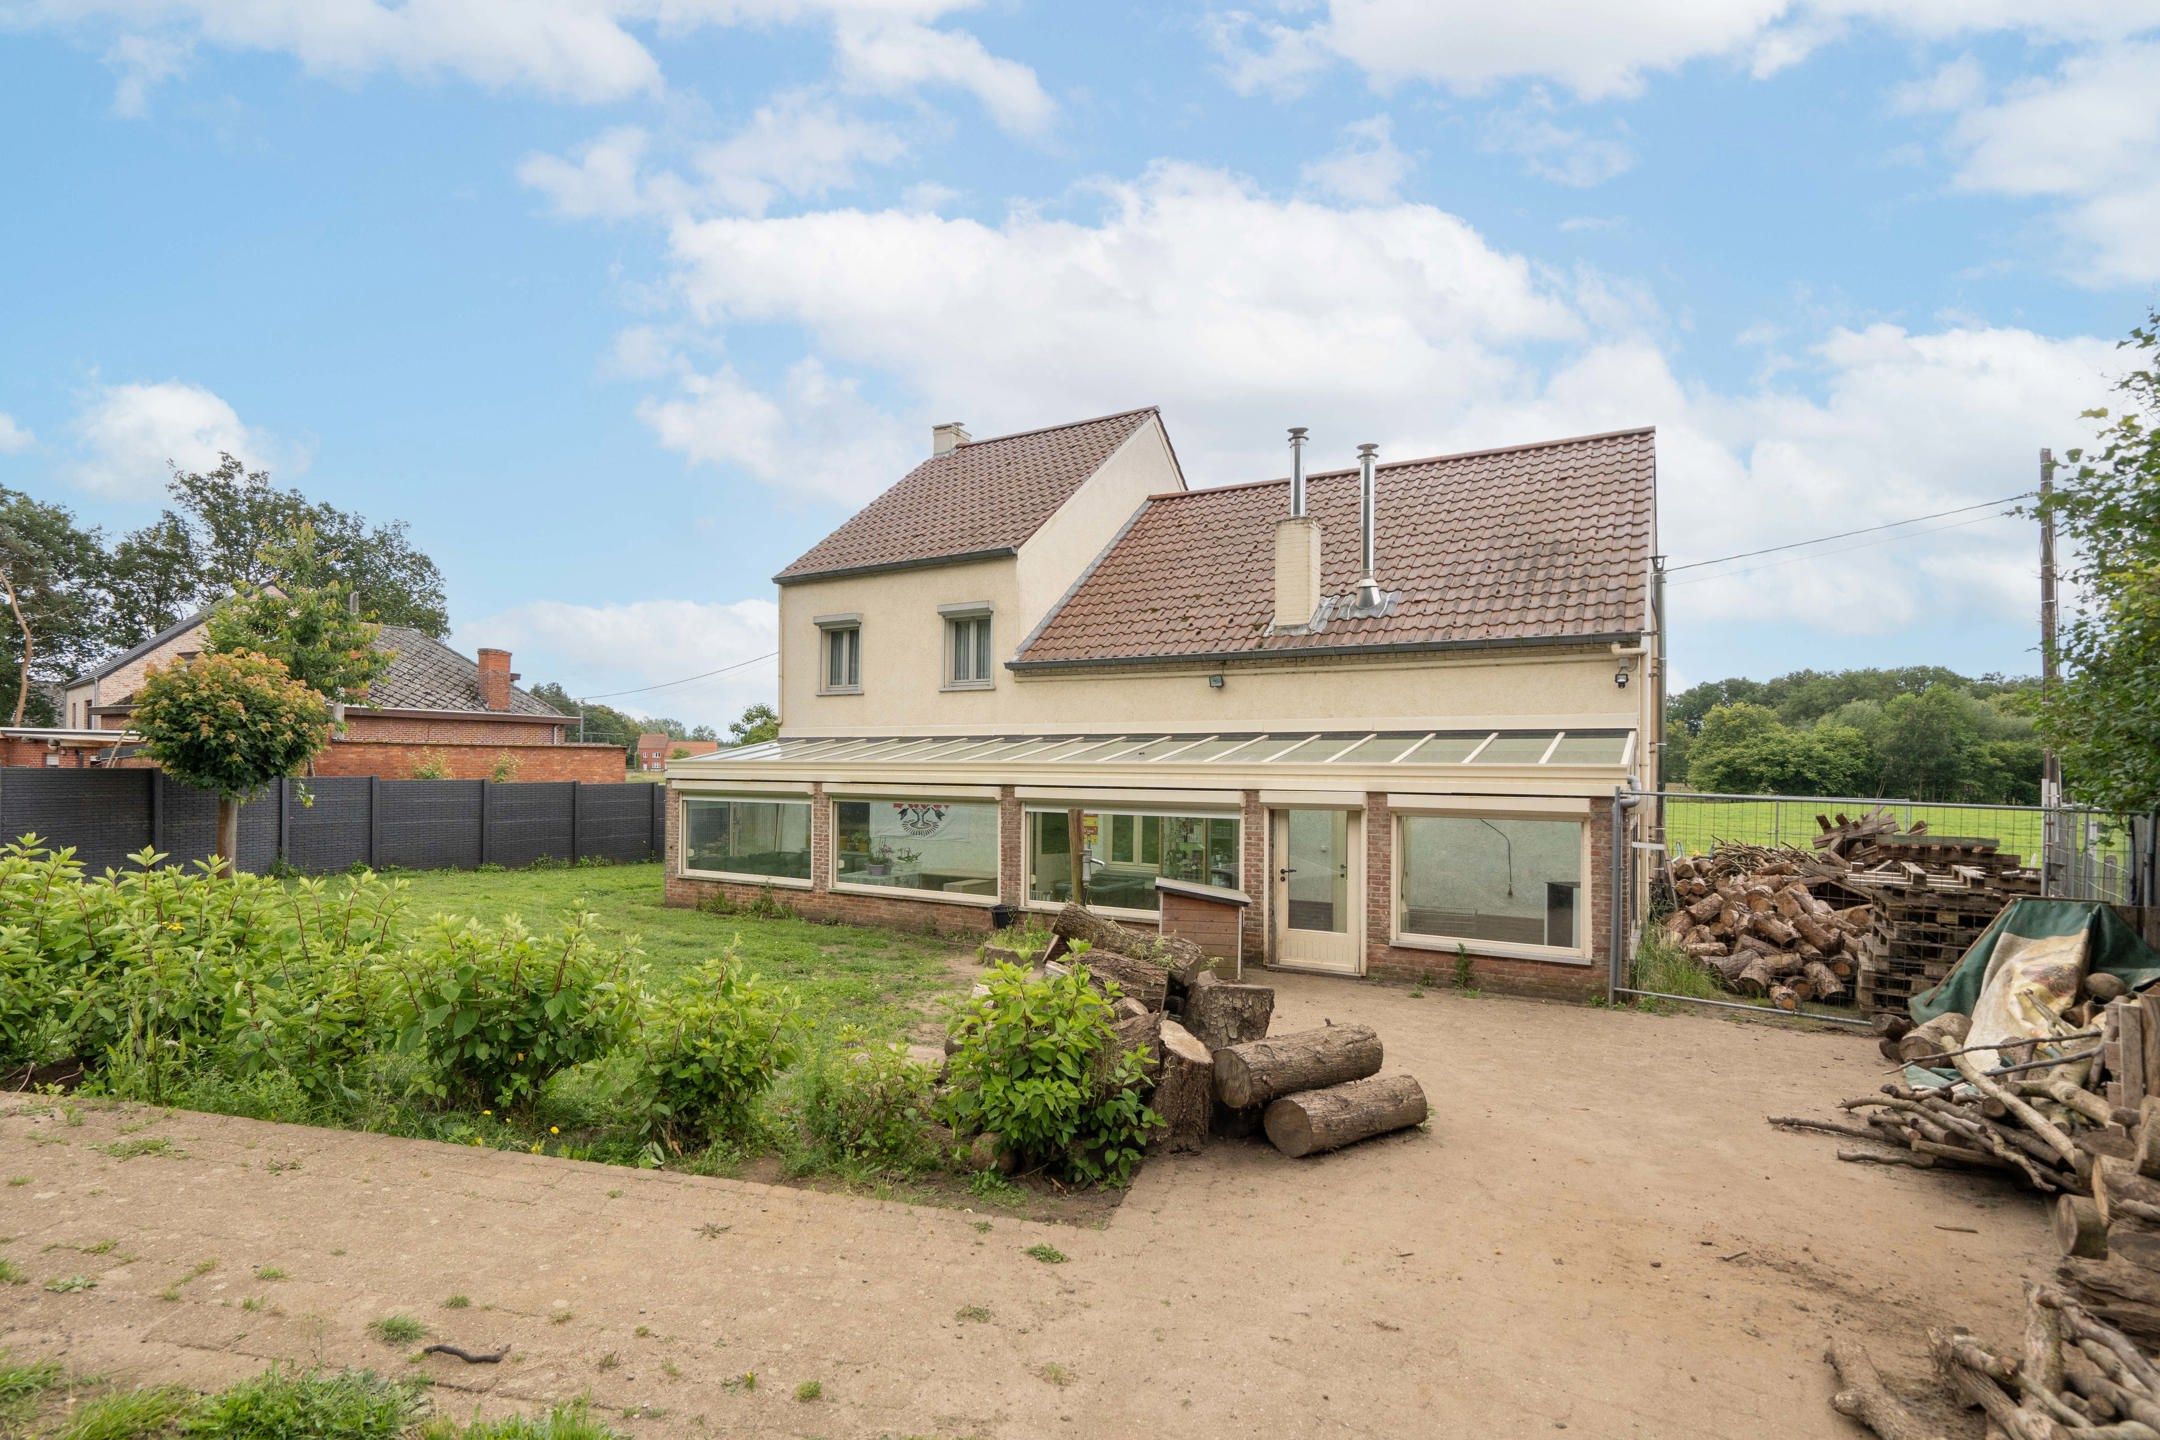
[
  {"x": 1037, "y": 1064},
  {"x": 355, "y": 1405},
  {"x": 495, "y": 1011},
  {"x": 863, "y": 1100},
  {"x": 709, "y": 1047}
]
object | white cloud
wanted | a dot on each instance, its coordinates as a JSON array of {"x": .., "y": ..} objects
[
  {"x": 815, "y": 436},
  {"x": 129, "y": 433},
  {"x": 592, "y": 648},
  {"x": 890, "y": 58},
  {"x": 1598, "y": 50},
  {"x": 14, "y": 438},
  {"x": 1366, "y": 169},
  {"x": 797, "y": 146},
  {"x": 587, "y": 51},
  {"x": 1954, "y": 86},
  {"x": 2088, "y": 136},
  {"x": 1550, "y": 150}
]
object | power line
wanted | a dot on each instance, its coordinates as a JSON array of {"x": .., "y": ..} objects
[
  {"x": 687, "y": 679},
  {"x": 1848, "y": 534},
  {"x": 1841, "y": 550}
]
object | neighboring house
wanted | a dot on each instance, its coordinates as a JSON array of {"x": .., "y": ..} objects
[
  {"x": 654, "y": 749},
  {"x": 434, "y": 710},
  {"x": 1387, "y": 709}
]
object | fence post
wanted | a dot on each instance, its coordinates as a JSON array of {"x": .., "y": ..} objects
[
  {"x": 374, "y": 819},
  {"x": 284, "y": 820},
  {"x": 482, "y": 811},
  {"x": 656, "y": 833},
  {"x": 156, "y": 776},
  {"x": 577, "y": 790}
]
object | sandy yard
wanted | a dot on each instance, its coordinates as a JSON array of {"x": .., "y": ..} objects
[{"x": 1599, "y": 1235}]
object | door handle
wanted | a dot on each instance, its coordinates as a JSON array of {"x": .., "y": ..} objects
[{"x": 1286, "y": 872}]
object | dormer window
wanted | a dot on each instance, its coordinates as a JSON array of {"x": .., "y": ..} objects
[
  {"x": 968, "y": 654},
  {"x": 840, "y": 664}
]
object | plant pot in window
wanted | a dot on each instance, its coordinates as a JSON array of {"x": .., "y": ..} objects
[{"x": 881, "y": 868}]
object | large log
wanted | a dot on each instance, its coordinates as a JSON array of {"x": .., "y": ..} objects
[
  {"x": 1219, "y": 1013},
  {"x": 1259, "y": 1070},
  {"x": 2079, "y": 1229},
  {"x": 1184, "y": 1089},
  {"x": 2120, "y": 1293},
  {"x": 1142, "y": 1032},
  {"x": 1862, "y": 1396},
  {"x": 1143, "y": 980},
  {"x": 1315, "y": 1120},
  {"x": 1077, "y": 922},
  {"x": 1928, "y": 1042}
]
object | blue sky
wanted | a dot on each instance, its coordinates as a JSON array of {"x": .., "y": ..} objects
[{"x": 623, "y": 303}]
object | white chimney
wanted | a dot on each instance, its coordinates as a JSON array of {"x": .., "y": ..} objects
[
  {"x": 1297, "y": 551},
  {"x": 1368, "y": 598},
  {"x": 946, "y": 438}
]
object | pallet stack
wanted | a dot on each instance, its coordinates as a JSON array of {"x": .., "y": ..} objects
[{"x": 1933, "y": 897}]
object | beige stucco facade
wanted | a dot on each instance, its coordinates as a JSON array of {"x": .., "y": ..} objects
[{"x": 78, "y": 701}]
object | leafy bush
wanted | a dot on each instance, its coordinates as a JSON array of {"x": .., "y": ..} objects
[
  {"x": 709, "y": 1046},
  {"x": 1037, "y": 1064},
  {"x": 496, "y": 1011},
  {"x": 867, "y": 1101},
  {"x": 355, "y": 1405}
]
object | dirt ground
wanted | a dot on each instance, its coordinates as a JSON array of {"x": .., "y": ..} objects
[{"x": 1599, "y": 1235}]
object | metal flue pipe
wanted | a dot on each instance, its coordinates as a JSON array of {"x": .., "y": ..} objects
[
  {"x": 1297, "y": 472},
  {"x": 1368, "y": 587}
]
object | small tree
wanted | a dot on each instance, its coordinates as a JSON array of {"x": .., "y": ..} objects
[
  {"x": 758, "y": 723},
  {"x": 303, "y": 617},
  {"x": 230, "y": 723}
]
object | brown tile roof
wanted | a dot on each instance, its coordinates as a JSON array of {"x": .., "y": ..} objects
[
  {"x": 426, "y": 674},
  {"x": 1534, "y": 542},
  {"x": 984, "y": 497}
]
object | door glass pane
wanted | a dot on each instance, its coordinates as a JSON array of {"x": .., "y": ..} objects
[
  {"x": 1050, "y": 859},
  {"x": 1319, "y": 861}
]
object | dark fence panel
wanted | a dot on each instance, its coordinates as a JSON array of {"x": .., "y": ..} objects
[
  {"x": 104, "y": 814},
  {"x": 334, "y": 821}
]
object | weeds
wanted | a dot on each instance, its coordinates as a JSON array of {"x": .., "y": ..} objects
[
  {"x": 973, "y": 1314},
  {"x": 397, "y": 1329},
  {"x": 11, "y": 1274},
  {"x": 809, "y": 1390},
  {"x": 71, "y": 1284},
  {"x": 457, "y": 1302},
  {"x": 127, "y": 1415},
  {"x": 1047, "y": 1254}
]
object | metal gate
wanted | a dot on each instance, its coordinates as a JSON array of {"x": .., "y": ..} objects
[{"x": 2080, "y": 853}]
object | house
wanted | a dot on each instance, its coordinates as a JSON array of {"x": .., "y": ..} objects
[
  {"x": 433, "y": 711},
  {"x": 1383, "y": 712},
  {"x": 655, "y": 748}
]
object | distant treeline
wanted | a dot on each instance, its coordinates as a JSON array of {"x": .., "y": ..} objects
[{"x": 1921, "y": 732}]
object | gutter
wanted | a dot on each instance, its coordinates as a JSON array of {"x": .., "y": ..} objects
[
  {"x": 884, "y": 567},
  {"x": 1314, "y": 652}
]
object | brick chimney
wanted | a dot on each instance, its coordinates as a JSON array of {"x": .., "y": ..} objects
[
  {"x": 495, "y": 678},
  {"x": 946, "y": 438}
]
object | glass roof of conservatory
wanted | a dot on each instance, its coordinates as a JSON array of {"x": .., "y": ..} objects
[{"x": 1301, "y": 747}]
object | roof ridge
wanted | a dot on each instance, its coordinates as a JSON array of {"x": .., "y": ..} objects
[
  {"x": 1352, "y": 471},
  {"x": 1046, "y": 429}
]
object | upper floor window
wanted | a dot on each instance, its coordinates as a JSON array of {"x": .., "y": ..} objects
[
  {"x": 968, "y": 658},
  {"x": 840, "y": 638}
]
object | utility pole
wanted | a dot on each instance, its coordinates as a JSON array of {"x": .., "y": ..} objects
[{"x": 2054, "y": 857}]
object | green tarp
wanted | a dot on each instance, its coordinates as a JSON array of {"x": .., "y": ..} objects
[{"x": 2111, "y": 946}]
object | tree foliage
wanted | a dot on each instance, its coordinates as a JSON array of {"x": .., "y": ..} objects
[
  {"x": 302, "y": 616},
  {"x": 229, "y": 722},
  {"x": 2103, "y": 719},
  {"x": 758, "y": 722},
  {"x": 223, "y": 530},
  {"x": 55, "y": 570}
]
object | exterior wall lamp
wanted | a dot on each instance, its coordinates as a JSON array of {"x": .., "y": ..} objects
[{"x": 1214, "y": 682}]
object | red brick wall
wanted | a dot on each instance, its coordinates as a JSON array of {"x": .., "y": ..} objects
[
  {"x": 1012, "y": 847},
  {"x": 396, "y": 760},
  {"x": 1507, "y": 974},
  {"x": 453, "y": 730},
  {"x": 1253, "y": 879}
]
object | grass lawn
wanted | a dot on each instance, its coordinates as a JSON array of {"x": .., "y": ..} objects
[
  {"x": 1695, "y": 824},
  {"x": 884, "y": 981}
]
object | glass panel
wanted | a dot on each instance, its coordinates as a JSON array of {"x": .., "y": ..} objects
[
  {"x": 1469, "y": 878},
  {"x": 1213, "y": 749},
  {"x": 1166, "y": 745},
  {"x": 982, "y": 648},
  {"x": 1261, "y": 748},
  {"x": 1095, "y": 744},
  {"x": 1319, "y": 862},
  {"x": 947, "y": 845},
  {"x": 1312, "y": 752},
  {"x": 1446, "y": 749},
  {"x": 1125, "y": 854},
  {"x": 748, "y": 837},
  {"x": 1050, "y": 875},
  {"x": 1515, "y": 749},
  {"x": 1377, "y": 751},
  {"x": 1590, "y": 749},
  {"x": 940, "y": 751}
]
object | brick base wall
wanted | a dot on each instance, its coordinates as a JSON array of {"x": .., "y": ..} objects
[
  {"x": 396, "y": 760},
  {"x": 455, "y": 730}
]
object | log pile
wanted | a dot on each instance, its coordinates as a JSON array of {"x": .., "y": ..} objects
[
  {"x": 2060, "y": 1116},
  {"x": 1215, "y": 1068},
  {"x": 1869, "y": 913}
]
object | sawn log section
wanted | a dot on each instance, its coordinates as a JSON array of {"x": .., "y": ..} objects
[{"x": 1259, "y": 1070}]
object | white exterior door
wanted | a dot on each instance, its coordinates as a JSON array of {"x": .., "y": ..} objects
[{"x": 1317, "y": 889}]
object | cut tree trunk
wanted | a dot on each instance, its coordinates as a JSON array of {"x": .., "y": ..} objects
[
  {"x": 1259, "y": 1070},
  {"x": 2120, "y": 1293},
  {"x": 1928, "y": 1042},
  {"x": 2079, "y": 1229},
  {"x": 1823, "y": 980},
  {"x": 1315, "y": 1120},
  {"x": 1219, "y": 1013},
  {"x": 1864, "y": 1397},
  {"x": 1184, "y": 1089},
  {"x": 1142, "y": 980},
  {"x": 1143, "y": 1031},
  {"x": 1077, "y": 922}
]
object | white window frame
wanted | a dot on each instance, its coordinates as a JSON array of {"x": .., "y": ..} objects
[
  {"x": 1235, "y": 816},
  {"x": 784, "y": 882},
  {"x": 835, "y": 799},
  {"x": 834, "y": 630},
  {"x": 959, "y": 619},
  {"x": 1504, "y": 949}
]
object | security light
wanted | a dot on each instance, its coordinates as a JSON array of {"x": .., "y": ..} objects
[{"x": 1214, "y": 682}]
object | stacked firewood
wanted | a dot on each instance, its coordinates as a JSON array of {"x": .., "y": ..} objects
[
  {"x": 1217, "y": 1070},
  {"x": 1751, "y": 914}
]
